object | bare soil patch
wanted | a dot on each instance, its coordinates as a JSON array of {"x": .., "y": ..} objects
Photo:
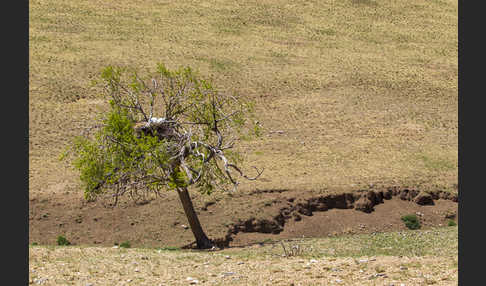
[
  {"x": 235, "y": 220},
  {"x": 334, "y": 222}
]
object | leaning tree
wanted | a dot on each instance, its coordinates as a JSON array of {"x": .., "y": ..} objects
[{"x": 167, "y": 130}]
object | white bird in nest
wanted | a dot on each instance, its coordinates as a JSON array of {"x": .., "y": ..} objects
[{"x": 155, "y": 120}]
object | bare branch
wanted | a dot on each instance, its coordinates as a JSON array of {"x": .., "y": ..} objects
[
  {"x": 246, "y": 177},
  {"x": 152, "y": 100}
]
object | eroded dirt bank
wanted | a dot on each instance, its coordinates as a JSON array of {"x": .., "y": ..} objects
[
  {"x": 235, "y": 220},
  {"x": 331, "y": 215}
]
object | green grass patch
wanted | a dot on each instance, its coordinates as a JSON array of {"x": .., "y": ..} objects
[
  {"x": 125, "y": 244},
  {"x": 436, "y": 242},
  {"x": 437, "y": 163},
  {"x": 411, "y": 221},
  {"x": 62, "y": 241},
  {"x": 440, "y": 242}
]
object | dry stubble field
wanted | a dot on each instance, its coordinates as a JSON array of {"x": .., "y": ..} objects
[{"x": 353, "y": 95}]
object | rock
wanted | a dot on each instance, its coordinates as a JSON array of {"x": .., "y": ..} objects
[
  {"x": 381, "y": 275},
  {"x": 377, "y": 275},
  {"x": 424, "y": 198},
  {"x": 228, "y": 273},
  {"x": 192, "y": 281},
  {"x": 40, "y": 280},
  {"x": 184, "y": 226},
  {"x": 227, "y": 257}
]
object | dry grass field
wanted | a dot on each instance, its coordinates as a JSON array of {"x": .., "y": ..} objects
[
  {"x": 352, "y": 95},
  {"x": 402, "y": 258},
  {"x": 365, "y": 92}
]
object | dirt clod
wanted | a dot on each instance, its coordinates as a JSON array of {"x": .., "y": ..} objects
[
  {"x": 423, "y": 199},
  {"x": 364, "y": 204}
]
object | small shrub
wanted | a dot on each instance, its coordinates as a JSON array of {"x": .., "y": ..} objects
[
  {"x": 411, "y": 221},
  {"x": 34, "y": 243},
  {"x": 61, "y": 240},
  {"x": 295, "y": 249},
  {"x": 451, "y": 223},
  {"x": 125, "y": 244}
]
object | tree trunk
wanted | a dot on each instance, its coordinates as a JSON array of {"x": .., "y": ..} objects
[{"x": 202, "y": 240}]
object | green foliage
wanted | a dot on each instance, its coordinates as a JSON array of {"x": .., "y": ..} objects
[
  {"x": 118, "y": 156},
  {"x": 411, "y": 221},
  {"x": 115, "y": 151},
  {"x": 451, "y": 223},
  {"x": 125, "y": 244},
  {"x": 61, "y": 240},
  {"x": 177, "y": 179}
]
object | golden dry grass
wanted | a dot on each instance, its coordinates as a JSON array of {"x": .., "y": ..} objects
[
  {"x": 411, "y": 258},
  {"x": 364, "y": 91}
]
